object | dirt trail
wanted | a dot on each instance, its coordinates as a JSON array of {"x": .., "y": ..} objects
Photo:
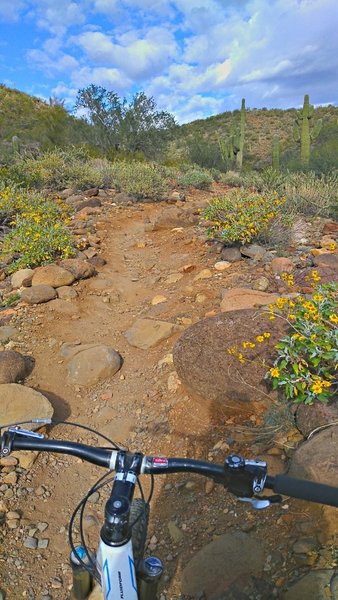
[{"x": 135, "y": 408}]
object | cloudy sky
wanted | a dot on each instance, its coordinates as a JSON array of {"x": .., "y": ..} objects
[{"x": 196, "y": 57}]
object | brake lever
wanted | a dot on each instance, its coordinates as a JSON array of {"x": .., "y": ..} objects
[
  {"x": 260, "y": 503},
  {"x": 9, "y": 435}
]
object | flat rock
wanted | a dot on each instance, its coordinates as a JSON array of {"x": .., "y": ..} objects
[
  {"x": 52, "y": 275},
  {"x": 174, "y": 217},
  {"x": 222, "y": 563},
  {"x": 146, "y": 333},
  {"x": 21, "y": 403},
  {"x": 8, "y": 332},
  {"x": 326, "y": 260},
  {"x": 207, "y": 370},
  {"x": 38, "y": 294},
  {"x": 244, "y": 298},
  {"x": 313, "y": 586},
  {"x": 81, "y": 269},
  {"x": 13, "y": 367},
  {"x": 20, "y": 276},
  {"x": 89, "y": 364}
]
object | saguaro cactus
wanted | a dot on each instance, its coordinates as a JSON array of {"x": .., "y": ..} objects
[
  {"x": 241, "y": 135},
  {"x": 229, "y": 148},
  {"x": 275, "y": 152},
  {"x": 304, "y": 132},
  {"x": 16, "y": 144}
]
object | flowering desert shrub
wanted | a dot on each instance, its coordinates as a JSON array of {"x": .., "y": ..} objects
[
  {"x": 38, "y": 231},
  {"x": 240, "y": 217},
  {"x": 307, "y": 358},
  {"x": 140, "y": 179}
]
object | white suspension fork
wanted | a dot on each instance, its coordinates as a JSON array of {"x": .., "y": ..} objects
[{"x": 118, "y": 577}]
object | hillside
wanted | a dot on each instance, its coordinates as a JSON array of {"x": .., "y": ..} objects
[
  {"x": 36, "y": 122},
  {"x": 261, "y": 126}
]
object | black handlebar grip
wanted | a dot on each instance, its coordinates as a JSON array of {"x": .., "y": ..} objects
[{"x": 306, "y": 490}]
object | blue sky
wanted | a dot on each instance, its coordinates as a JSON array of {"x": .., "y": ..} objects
[{"x": 196, "y": 57}]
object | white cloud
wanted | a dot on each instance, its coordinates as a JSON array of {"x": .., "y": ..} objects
[
  {"x": 109, "y": 78},
  {"x": 57, "y": 17},
  {"x": 10, "y": 10},
  {"x": 137, "y": 57},
  {"x": 50, "y": 64}
]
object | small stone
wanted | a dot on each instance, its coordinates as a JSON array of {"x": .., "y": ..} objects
[
  {"x": 30, "y": 542},
  {"x": 10, "y": 478},
  {"x": 209, "y": 486},
  {"x": 158, "y": 299},
  {"x": 305, "y": 545},
  {"x": 12, "y": 515},
  {"x": 204, "y": 274},
  {"x": 12, "y": 523},
  {"x": 39, "y": 491},
  {"x": 187, "y": 268},
  {"x": 222, "y": 265},
  {"x": 280, "y": 264},
  {"x": 42, "y": 526},
  {"x": 43, "y": 543},
  {"x": 56, "y": 583}
]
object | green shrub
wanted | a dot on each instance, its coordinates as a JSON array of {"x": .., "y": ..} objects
[
  {"x": 199, "y": 179},
  {"x": 39, "y": 231},
  {"x": 142, "y": 180},
  {"x": 241, "y": 217},
  {"x": 306, "y": 364},
  {"x": 266, "y": 181}
]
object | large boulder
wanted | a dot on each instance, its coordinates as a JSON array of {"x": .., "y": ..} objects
[
  {"x": 211, "y": 374},
  {"x": 89, "y": 364},
  {"x": 52, "y": 275},
  {"x": 21, "y": 403},
  {"x": 317, "y": 458},
  {"x": 13, "y": 367},
  {"x": 226, "y": 561},
  {"x": 318, "y": 414}
]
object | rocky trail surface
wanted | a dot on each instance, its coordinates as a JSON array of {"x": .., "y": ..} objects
[{"x": 159, "y": 279}]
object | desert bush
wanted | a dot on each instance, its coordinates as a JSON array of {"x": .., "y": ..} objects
[
  {"x": 232, "y": 179},
  {"x": 39, "y": 230},
  {"x": 205, "y": 154},
  {"x": 239, "y": 216},
  {"x": 311, "y": 195},
  {"x": 142, "y": 180},
  {"x": 58, "y": 169},
  {"x": 197, "y": 178},
  {"x": 266, "y": 181},
  {"x": 105, "y": 169}
]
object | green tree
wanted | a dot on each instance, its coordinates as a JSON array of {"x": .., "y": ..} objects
[{"x": 136, "y": 126}]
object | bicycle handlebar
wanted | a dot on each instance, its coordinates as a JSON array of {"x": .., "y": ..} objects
[{"x": 104, "y": 457}]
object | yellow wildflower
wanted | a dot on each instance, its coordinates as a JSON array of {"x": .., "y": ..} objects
[{"x": 274, "y": 372}]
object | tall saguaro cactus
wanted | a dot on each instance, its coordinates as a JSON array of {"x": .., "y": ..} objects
[
  {"x": 241, "y": 135},
  {"x": 304, "y": 132}
]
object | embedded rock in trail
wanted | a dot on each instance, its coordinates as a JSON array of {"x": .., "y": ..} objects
[
  {"x": 309, "y": 418},
  {"x": 81, "y": 269},
  {"x": 20, "y": 276},
  {"x": 210, "y": 374},
  {"x": 52, "y": 275},
  {"x": 13, "y": 367},
  {"x": 253, "y": 251},
  {"x": 243, "y": 298},
  {"x": 90, "y": 202},
  {"x": 317, "y": 458},
  {"x": 88, "y": 364},
  {"x": 21, "y": 403},
  {"x": 174, "y": 217},
  {"x": 226, "y": 561},
  {"x": 231, "y": 254},
  {"x": 146, "y": 333},
  {"x": 38, "y": 294},
  {"x": 66, "y": 292}
]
